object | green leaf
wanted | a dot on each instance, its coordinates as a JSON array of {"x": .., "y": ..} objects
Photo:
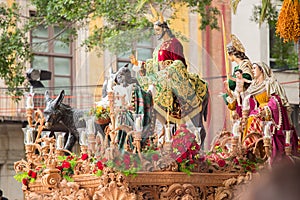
[
  {"x": 99, "y": 172},
  {"x": 68, "y": 178},
  {"x": 20, "y": 176}
]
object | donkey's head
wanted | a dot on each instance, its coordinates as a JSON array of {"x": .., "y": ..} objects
[{"x": 53, "y": 112}]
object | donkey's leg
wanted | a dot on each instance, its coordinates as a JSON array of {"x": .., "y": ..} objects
[{"x": 73, "y": 137}]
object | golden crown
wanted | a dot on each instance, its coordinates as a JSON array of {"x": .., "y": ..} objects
[{"x": 156, "y": 16}]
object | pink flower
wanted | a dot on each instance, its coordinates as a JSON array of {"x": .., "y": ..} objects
[{"x": 84, "y": 156}]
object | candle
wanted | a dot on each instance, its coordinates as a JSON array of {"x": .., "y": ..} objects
[
  {"x": 60, "y": 142},
  {"x": 267, "y": 131},
  {"x": 28, "y": 137},
  {"x": 109, "y": 85},
  {"x": 138, "y": 124},
  {"x": 287, "y": 137},
  {"x": 167, "y": 134},
  {"x": 29, "y": 101},
  {"x": 84, "y": 139},
  {"x": 235, "y": 129}
]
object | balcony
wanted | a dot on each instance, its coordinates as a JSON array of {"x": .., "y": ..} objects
[{"x": 80, "y": 97}]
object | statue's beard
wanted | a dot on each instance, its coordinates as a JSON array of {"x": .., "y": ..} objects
[{"x": 159, "y": 37}]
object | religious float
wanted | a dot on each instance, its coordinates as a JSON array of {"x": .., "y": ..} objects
[{"x": 169, "y": 166}]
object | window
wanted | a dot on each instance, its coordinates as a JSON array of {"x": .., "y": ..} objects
[
  {"x": 144, "y": 50},
  {"x": 282, "y": 55},
  {"x": 52, "y": 54}
]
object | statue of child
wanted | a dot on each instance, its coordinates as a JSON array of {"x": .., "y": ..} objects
[{"x": 239, "y": 89}]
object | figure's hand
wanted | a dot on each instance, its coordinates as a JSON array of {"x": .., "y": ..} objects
[{"x": 133, "y": 60}]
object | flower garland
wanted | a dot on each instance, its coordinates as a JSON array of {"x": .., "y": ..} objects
[{"x": 185, "y": 149}]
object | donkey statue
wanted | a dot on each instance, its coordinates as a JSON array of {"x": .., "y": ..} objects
[{"x": 58, "y": 114}]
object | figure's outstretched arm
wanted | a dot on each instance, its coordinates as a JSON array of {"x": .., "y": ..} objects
[
  {"x": 231, "y": 78},
  {"x": 247, "y": 81}
]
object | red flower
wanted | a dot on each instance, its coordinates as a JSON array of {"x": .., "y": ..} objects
[
  {"x": 235, "y": 161},
  {"x": 202, "y": 158},
  {"x": 66, "y": 164},
  {"x": 126, "y": 159},
  {"x": 33, "y": 175},
  {"x": 59, "y": 167},
  {"x": 221, "y": 163},
  {"x": 155, "y": 157},
  {"x": 70, "y": 157},
  {"x": 184, "y": 155},
  {"x": 248, "y": 168},
  {"x": 100, "y": 165},
  {"x": 84, "y": 156},
  {"x": 25, "y": 181},
  {"x": 179, "y": 160},
  {"x": 29, "y": 172}
]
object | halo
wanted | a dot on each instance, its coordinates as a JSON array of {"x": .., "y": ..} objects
[
  {"x": 236, "y": 43},
  {"x": 156, "y": 16}
]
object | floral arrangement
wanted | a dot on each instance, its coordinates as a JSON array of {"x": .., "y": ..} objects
[
  {"x": 67, "y": 165},
  {"x": 185, "y": 149},
  {"x": 218, "y": 158},
  {"x": 127, "y": 163},
  {"x": 101, "y": 112},
  {"x": 28, "y": 177}
]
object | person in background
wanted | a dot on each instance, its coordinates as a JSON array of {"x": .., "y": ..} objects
[{"x": 1, "y": 196}]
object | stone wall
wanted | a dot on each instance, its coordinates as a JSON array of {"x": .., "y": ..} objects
[{"x": 11, "y": 150}]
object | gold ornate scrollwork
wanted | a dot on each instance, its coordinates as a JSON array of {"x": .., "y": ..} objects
[
  {"x": 51, "y": 180},
  {"x": 178, "y": 191}
]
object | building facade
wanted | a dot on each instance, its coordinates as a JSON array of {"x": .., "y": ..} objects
[{"x": 82, "y": 74}]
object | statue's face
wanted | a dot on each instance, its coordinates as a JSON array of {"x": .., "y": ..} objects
[
  {"x": 158, "y": 32},
  {"x": 123, "y": 76},
  {"x": 231, "y": 57},
  {"x": 256, "y": 70}
]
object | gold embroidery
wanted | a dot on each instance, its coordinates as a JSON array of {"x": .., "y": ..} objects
[{"x": 167, "y": 62}]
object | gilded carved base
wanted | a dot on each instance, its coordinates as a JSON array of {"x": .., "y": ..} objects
[{"x": 113, "y": 185}]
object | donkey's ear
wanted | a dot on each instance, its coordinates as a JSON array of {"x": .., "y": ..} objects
[
  {"x": 47, "y": 96},
  {"x": 59, "y": 99},
  {"x": 126, "y": 65}
]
